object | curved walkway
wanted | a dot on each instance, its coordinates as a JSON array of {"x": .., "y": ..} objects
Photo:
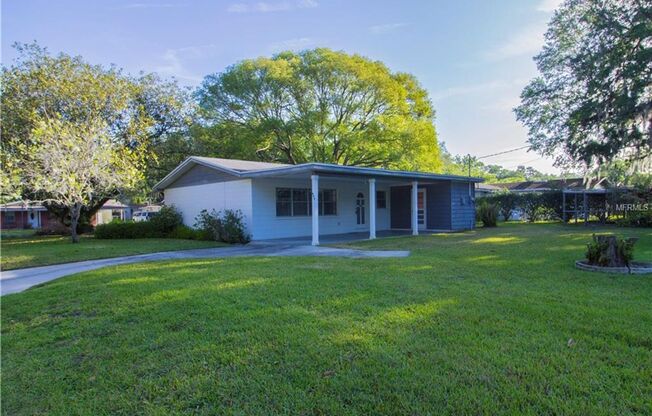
[{"x": 13, "y": 281}]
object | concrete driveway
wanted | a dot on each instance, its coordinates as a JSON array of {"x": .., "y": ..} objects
[{"x": 13, "y": 281}]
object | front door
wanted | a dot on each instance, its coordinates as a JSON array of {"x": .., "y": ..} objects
[
  {"x": 421, "y": 209},
  {"x": 360, "y": 209},
  {"x": 33, "y": 219}
]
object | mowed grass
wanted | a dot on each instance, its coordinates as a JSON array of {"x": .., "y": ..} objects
[
  {"x": 492, "y": 321},
  {"x": 18, "y": 253}
]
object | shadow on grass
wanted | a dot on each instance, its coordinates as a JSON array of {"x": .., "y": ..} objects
[{"x": 482, "y": 329}]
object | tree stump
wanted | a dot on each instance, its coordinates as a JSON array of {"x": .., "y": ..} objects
[{"x": 612, "y": 251}]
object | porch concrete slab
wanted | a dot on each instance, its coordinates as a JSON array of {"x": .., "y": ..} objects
[
  {"x": 331, "y": 238},
  {"x": 13, "y": 281}
]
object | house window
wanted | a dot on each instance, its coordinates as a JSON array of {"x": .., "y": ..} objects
[
  {"x": 297, "y": 202},
  {"x": 300, "y": 202},
  {"x": 10, "y": 217},
  {"x": 327, "y": 202},
  {"x": 116, "y": 214},
  {"x": 381, "y": 199},
  {"x": 283, "y": 202}
]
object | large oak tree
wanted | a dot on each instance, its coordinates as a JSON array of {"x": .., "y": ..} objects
[
  {"x": 320, "y": 106},
  {"x": 592, "y": 102}
]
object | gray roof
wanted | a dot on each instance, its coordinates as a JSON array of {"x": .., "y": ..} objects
[
  {"x": 22, "y": 206},
  {"x": 250, "y": 169},
  {"x": 567, "y": 184},
  {"x": 239, "y": 165}
]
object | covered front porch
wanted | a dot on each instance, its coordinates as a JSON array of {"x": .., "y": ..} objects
[{"x": 365, "y": 207}]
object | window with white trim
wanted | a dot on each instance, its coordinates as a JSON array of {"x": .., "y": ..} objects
[
  {"x": 297, "y": 202},
  {"x": 381, "y": 199}
]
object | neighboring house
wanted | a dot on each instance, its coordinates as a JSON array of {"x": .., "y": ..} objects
[
  {"x": 313, "y": 199},
  {"x": 112, "y": 210},
  {"x": 571, "y": 184},
  {"x": 575, "y": 192},
  {"x": 21, "y": 215},
  {"x": 484, "y": 189}
]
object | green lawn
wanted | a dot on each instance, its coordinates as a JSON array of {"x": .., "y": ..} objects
[
  {"x": 492, "y": 321},
  {"x": 18, "y": 233},
  {"x": 18, "y": 253}
]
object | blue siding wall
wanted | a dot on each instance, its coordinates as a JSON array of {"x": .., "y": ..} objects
[
  {"x": 438, "y": 206},
  {"x": 463, "y": 206}
]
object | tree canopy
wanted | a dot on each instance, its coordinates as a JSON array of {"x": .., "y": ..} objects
[
  {"x": 592, "y": 102},
  {"x": 136, "y": 112},
  {"x": 323, "y": 106},
  {"x": 70, "y": 163}
]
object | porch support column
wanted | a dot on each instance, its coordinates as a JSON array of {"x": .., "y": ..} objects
[
  {"x": 372, "y": 209},
  {"x": 586, "y": 208},
  {"x": 415, "y": 208},
  {"x": 315, "y": 209}
]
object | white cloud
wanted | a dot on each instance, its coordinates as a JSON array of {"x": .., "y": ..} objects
[
  {"x": 548, "y": 6},
  {"x": 267, "y": 7},
  {"x": 174, "y": 61},
  {"x": 291, "y": 44},
  {"x": 528, "y": 41},
  {"x": 386, "y": 28},
  {"x": 307, "y": 4}
]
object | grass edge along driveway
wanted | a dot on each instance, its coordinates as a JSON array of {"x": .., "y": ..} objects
[
  {"x": 485, "y": 322},
  {"x": 19, "y": 253}
]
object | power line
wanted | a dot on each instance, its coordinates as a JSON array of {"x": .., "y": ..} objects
[
  {"x": 491, "y": 155},
  {"x": 503, "y": 152}
]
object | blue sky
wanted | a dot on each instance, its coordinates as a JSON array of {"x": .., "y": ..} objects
[{"x": 473, "y": 57}]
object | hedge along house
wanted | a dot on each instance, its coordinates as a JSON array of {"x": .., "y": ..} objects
[{"x": 313, "y": 199}]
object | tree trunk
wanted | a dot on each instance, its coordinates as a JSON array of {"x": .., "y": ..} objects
[{"x": 74, "y": 219}]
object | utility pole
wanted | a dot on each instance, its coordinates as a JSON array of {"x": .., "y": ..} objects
[{"x": 469, "y": 160}]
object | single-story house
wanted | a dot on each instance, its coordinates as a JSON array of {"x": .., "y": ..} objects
[
  {"x": 568, "y": 185},
  {"x": 576, "y": 193},
  {"x": 112, "y": 210},
  {"x": 313, "y": 199},
  {"x": 21, "y": 215}
]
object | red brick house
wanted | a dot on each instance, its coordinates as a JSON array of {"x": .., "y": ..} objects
[{"x": 21, "y": 215}]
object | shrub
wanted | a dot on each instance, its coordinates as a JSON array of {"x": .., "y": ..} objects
[
  {"x": 530, "y": 203},
  {"x": 227, "y": 226},
  {"x": 636, "y": 219},
  {"x": 183, "y": 232},
  {"x": 552, "y": 205},
  {"x": 487, "y": 213},
  {"x": 127, "y": 230},
  {"x": 507, "y": 203},
  {"x": 167, "y": 219},
  {"x": 210, "y": 224},
  {"x": 233, "y": 230}
]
